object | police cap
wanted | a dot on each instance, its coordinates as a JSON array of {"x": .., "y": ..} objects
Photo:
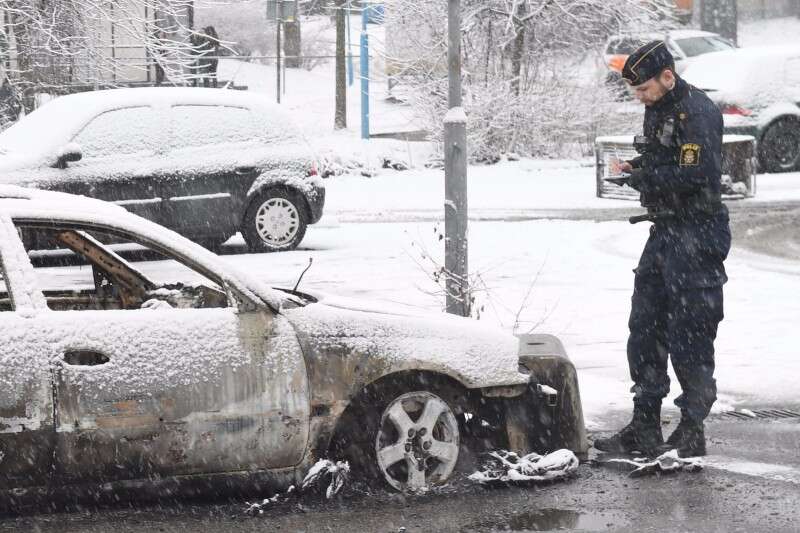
[{"x": 646, "y": 62}]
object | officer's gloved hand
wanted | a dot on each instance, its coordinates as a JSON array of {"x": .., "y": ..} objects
[{"x": 636, "y": 178}]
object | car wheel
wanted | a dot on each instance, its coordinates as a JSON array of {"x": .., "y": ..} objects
[
  {"x": 417, "y": 441},
  {"x": 390, "y": 439},
  {"x": 275, "y": 221},
  {"x": 780, "y": 146}
]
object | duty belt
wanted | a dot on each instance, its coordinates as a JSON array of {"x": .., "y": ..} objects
[{"x": 662, "y": 213}]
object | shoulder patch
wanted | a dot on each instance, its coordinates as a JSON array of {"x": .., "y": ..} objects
[{"x": 690, "y": 155}]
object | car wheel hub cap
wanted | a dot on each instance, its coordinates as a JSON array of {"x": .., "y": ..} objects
[
  {"x": 277, "y": 221},
  {"x": 417, "y": 443}
]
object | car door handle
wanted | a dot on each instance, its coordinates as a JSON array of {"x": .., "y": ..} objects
[
  {"x": 245, "y": 170},
  {"x": 85, "y": 358}
]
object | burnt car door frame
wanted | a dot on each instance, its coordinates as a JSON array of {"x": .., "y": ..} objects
[{"x": 27, "y": 436}]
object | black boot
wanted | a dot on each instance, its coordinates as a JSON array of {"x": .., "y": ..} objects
[
  {"x": 642, "y": 435},
  {"x": 688, "y": 438}
]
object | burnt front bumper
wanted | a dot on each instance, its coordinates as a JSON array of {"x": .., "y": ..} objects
[{"x": 548, "y": 416}]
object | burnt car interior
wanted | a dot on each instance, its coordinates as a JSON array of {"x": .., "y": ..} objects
[{"x": 116, "y": 284}]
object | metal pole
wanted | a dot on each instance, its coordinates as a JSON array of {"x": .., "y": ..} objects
[
  {"x": 350, "y": 68},
  {"x": 278, "y": 9},
  {"x": 364, "y": 52},
  {"x": 455, "y": 175}
]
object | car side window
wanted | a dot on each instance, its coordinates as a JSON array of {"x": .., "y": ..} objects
[
  {"x": 126, "y": 131},
  {"x": 203, "y": 125},
  {"x": 80, "y": 271},
  {"x": 5, "y": 297}
]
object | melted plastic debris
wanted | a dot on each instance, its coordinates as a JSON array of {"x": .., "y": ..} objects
[
  {"x": 256, "y": 509},
  {"x": 508, "y": 467},
  {"x": 663, "y": 464},
  {"x": 336, "y": 474}
]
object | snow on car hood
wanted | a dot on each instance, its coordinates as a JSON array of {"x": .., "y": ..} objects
[{"x": 477, "y": 354}]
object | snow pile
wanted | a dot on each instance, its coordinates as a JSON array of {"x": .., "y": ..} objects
[
  {"x": 667, "y": 463},
  {"x": 508, "y": 467},
  {"x": 336, "y": 474}
]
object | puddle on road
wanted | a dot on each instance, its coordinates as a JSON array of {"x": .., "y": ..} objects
[{"x": 553, "y": 520}]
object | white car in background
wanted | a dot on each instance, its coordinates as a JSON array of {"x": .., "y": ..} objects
[
  {"x": 685, "y": 45},
  {"x": 758, "y": 91}
]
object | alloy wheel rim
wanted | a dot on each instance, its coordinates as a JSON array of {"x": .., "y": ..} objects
[
  {"x": 417, "y": 443},
  {"x": 277, "y": 221}
]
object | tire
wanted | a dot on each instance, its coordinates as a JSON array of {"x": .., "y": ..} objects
[
  {"x": 779, "y": 149},
  {"x": 408, "y": 440},
  {"x": 287, "y": 212}
]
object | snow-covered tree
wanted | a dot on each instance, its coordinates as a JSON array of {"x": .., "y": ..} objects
[
  {"x": 526, "y": 66},
  {"x": 49, "y": 46}
]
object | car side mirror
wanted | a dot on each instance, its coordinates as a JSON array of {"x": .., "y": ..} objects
[{"x": 69, "y": 153}]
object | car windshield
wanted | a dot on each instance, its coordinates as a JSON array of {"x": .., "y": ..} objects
[{"x": 695, "y": 46}]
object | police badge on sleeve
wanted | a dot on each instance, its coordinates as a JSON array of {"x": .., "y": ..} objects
[{"x": 690, "y": 155}]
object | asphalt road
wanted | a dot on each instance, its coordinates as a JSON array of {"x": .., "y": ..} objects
[{"x": 598, "y": 499}]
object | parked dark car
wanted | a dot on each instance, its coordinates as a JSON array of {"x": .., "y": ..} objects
[
  {"x": 758, "y": 91},
  {"x": 205, "y": 163}
]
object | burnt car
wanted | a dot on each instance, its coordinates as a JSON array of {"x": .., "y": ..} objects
[
  {"x": 203, "y": 162},
  {"x": 198, "y": 378}
]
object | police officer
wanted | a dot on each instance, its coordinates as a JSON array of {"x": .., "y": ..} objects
[{"x": 677, "y": 297}]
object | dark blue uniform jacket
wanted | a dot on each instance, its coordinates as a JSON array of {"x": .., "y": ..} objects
[{"x": 682, "y": 173}]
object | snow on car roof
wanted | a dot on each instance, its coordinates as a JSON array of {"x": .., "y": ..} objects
[
  {"x": 687, "y": 34},
  {"x": 32, "y": 204},
  {"x": 56, "y": 120},
  {"x": 735, "y": 70},
  {"x": 110, "y": 98},
  {"x": 673, "y": 34}
]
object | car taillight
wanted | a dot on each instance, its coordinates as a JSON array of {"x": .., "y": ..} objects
[
  {"x": 617, "y": 63},
  {"x": 733, "y": 109}
]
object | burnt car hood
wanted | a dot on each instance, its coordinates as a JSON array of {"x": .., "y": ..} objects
[{"x": 382, "y": 338}]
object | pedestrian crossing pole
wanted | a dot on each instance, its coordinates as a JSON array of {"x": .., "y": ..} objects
[{"x": 455, "y": 175}]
